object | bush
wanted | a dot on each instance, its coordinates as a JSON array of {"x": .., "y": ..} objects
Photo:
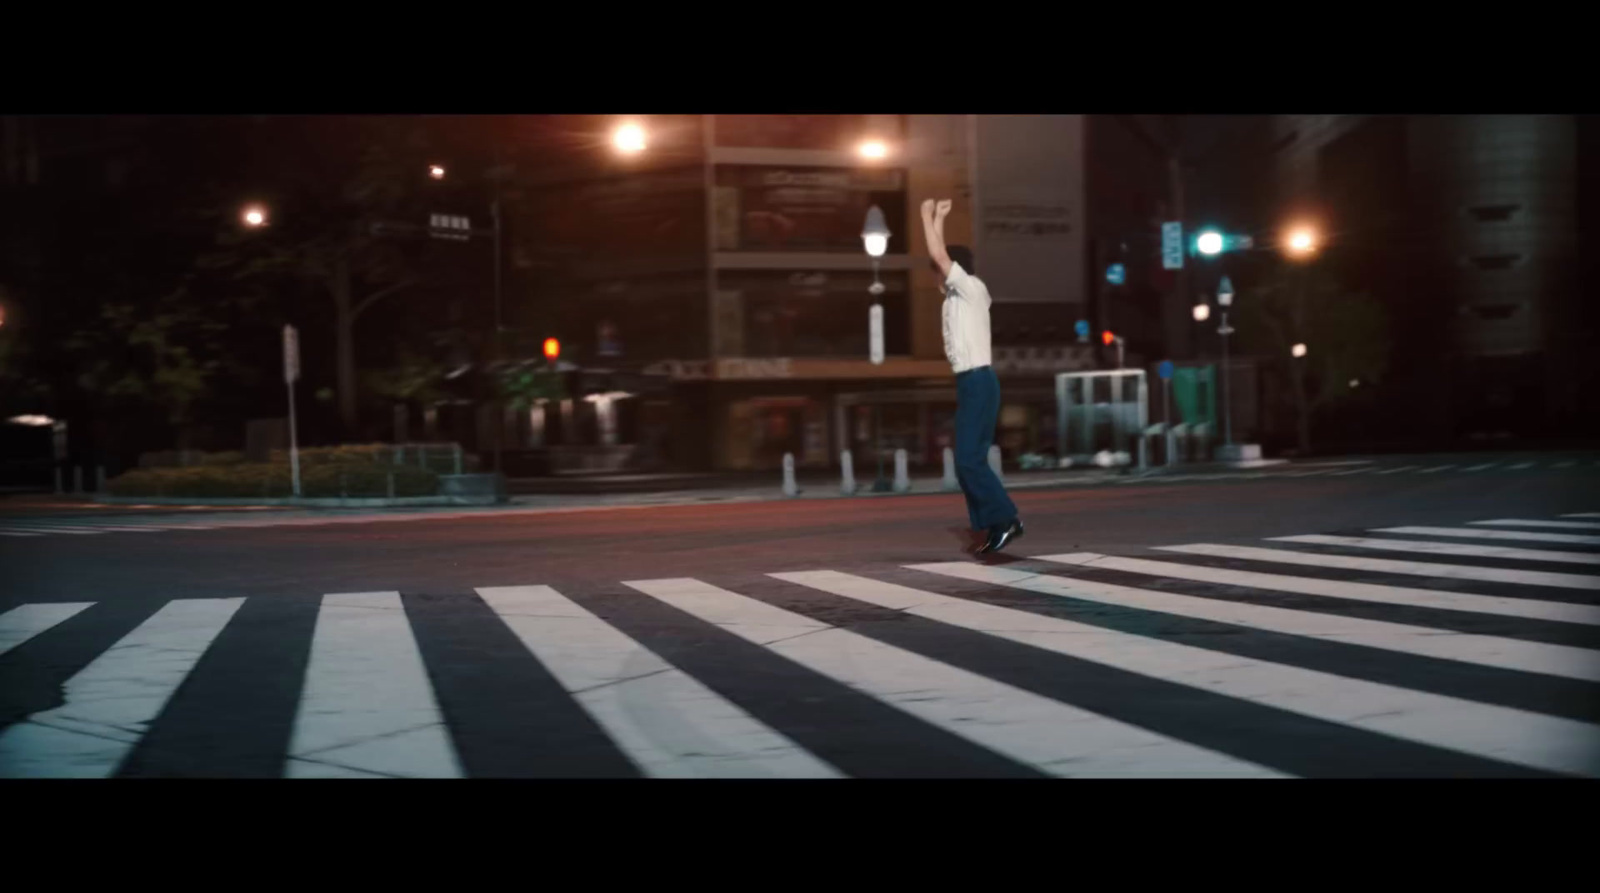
[
  {"x": 440, "y": 460},
  {"x": 253, "y": 480}
]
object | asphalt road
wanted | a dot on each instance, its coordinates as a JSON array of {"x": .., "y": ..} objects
[{"x": 655, "y": 641}]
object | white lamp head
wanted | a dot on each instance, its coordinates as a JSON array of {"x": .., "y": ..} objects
[{"x": 875, "y": 235}]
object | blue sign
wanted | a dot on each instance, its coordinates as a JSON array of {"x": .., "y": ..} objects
[
  {"x": 1116, "y": 274},
  {"x": 1164, "y": 370},
  {"x": 1082, "y": 328},
  {"x": 1172, "y": 246}
]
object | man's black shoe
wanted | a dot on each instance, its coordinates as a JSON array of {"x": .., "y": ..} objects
[{"x": 999, "y": 539}]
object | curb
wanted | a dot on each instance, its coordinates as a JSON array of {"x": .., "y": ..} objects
[{"x": 328, "y": 502}]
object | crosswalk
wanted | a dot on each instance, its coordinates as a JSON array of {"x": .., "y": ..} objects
[
  {"x": 1363, "y": 468},
  {"x": 1310, "y": 655}
]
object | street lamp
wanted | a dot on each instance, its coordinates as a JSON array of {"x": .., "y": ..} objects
[
  {"x": 629, "y": 138},
  {"x": 1210, "y": 243},
  {"x": 873, "y": 150},
  {"x": 1301, "y": 241},
  {"x": 1298, "y": 351},
  {"x": 436, "y": 171},
  {"x": 1225, "y": 300},
  {"x": 1202, "y": 312},
  {"x": 254, "y": 216},
  {"x": 875, "y": 239}
]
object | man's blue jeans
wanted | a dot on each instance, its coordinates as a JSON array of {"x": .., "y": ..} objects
[{"x": 977, "y": 411}]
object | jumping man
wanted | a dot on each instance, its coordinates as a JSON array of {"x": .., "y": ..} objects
[{"x": 966, "y": 343}]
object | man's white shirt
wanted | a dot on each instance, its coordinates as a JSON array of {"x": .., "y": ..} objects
[{"x": 966, "y": 320}]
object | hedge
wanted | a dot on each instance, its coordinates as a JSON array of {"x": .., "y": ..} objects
[{"x": 272, "y": 481}]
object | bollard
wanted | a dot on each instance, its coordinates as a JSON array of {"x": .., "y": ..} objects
[
  {"x": 58, "y": 480},
  {"x": 1144, "y": 453},
  {"x": 994, "y": 460},
  {"x": 458, "y": 458},
  {"x": 391, "y": 485},
  {"x": 950, "y": 482},
  {"x": 902, "y": 476},
  {"x": 789, "y": 486},
  {"x": 1172, "y": 447},
  {"x": 77, "y": 479},
  {"x": 422, "y": 457},
  {"x": 399, "y": 455},
  {"x": 847, "y": 485}
]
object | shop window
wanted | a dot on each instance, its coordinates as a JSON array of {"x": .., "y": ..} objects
[{"x": 772, "y": 209}]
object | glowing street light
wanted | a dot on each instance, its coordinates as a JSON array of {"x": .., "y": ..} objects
[
  {"x": 1210, "y": 243},
  {"x": 436, "y": 171},
  {"x": 629, "y": 138},
  {"x": 1202, "y": 312},
  {"x": 1302, "y": 241},
  {"x": 1298, "y": 351},
  {"x": 254, "y": 216},
  {"x": 873, "y": 150}
]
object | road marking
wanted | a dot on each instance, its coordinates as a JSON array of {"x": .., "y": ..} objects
[
  {"x": 1399, "y": 469},
  {"x": 1368, "y": 592},
  {"x": 1436, "y": 469},
  {"x": 1518, "y": 522},
  {"x": 1479, "y": 533},
  {"x": 109, "y": 704},
  {"x": 1520, "y": 466},
  {"x": 1053, "y": 737},
  {"x": 1103, "y": 739},
  {"x": 1567, "y": 464},
  {"x": 668, "y": 723},
  {"x": 1583, "y": 515},
  {"x": 1482, "y": 467},
  {"x": 1489, "y": 651},
  {"x": 1391, "y": 566},
  {"x": 18, "y": 533},
  {"x": 23, "y": 622},
  {"x": 1474, "y": 550},
  {"x": 66, "y": 530},
  {"x": 368, "y": 709},
  {"x": 1487, "y": 730}
]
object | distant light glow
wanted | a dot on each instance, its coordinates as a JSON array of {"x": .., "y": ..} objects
[
  {"x": 1302, "y": 240},
  {"x": 255, "y": 215},
  {"x": 1202, "y": 312},
  {"x": 629, "y": 139},
  {"x": 876, "y": 245},
  {"x": 873, "y": 150},
  {"x": 1299, "y": 350},
  {"x": 1210, "y": 243},
  {"x": 1355, "y": 383},
  {"x": 32, "y": 421},
  {"x": 436, "y": 171},
  {"x": 552, "y": 349},
  {"x": 1107, "y": 337}
]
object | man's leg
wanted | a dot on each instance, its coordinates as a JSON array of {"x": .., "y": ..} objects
[{"x": 996, "y": 511}]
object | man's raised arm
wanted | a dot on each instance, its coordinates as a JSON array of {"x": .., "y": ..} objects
[{"x": 933, "y": 215}]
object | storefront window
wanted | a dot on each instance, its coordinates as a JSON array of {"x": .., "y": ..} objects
[
  {"x": 833, "y": 133},
  {"x": 807, "y": 209}
]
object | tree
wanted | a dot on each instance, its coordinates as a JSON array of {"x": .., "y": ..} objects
[{"x": 1346, "y": 334}]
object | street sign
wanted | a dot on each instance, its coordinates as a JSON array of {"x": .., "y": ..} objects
[
  {"x": 291, "y": 355},
  {"x": 1116, "y": 274},
  {"x": 875, "y": 332},
  {"x": 1082, "y": 328},
  {"x": 1164, "y": 370},
  {"x": 449, "y": 226},
  {"x": 1172, "y": 246},
  {"x": 1224, "y": 291}
]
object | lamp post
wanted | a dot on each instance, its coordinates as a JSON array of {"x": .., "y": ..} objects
[
  {"x": 1225, "y": 300},
  {"x": 875, "y": 238}
]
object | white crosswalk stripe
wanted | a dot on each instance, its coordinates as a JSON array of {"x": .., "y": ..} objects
[
  {"x": 1583, "y": 515},
  {"x": 368, "y": 710},
  {"x": 1400, "y": 468},
  {"x": 23, "y": 622},
  {"x": 1515, "y": 522},
  {"x": 667, "y": 722},
  {"x": 1391, "y": 566},
  {"x": 1468, "y": 550},
  {"x": 108, "y": 705},
  {"x": 1010, "y": 721},
  {"x": 1436, "y": 469},
  {"x": 1480, "y": 533}
]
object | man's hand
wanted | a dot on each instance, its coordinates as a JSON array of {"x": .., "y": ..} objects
[
  {"x": 927, "y": 209},
  {"x": 942, "y": 209}
]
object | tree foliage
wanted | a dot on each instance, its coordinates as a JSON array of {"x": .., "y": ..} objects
[{"x": 1346, "y": 333}]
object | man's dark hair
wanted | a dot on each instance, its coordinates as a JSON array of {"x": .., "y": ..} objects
[{"x": 962, "y": 255}]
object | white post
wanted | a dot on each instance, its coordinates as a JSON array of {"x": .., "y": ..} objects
[
  {"x": 291, "y": 374},
  {"x": 458, "y": 458},
  {"x": 1144, "y": 451},
  {"x": 847, "y": 483},
  {"x": 790, "y": 488},
  {"x": 950, "y": 482},
  {"x": 994, "y": 460},
  {"x": 902, "y": 474},
  {"x": 391, "y": 485}
]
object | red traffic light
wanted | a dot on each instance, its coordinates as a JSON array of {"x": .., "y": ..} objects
[
  {"x": 1106, "y": 337},
  {"x": 552, "y": 349}
]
